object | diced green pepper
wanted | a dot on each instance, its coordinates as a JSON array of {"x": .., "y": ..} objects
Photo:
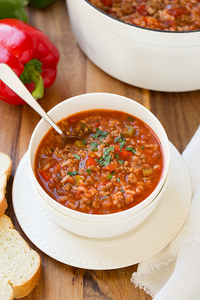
[
  {"x": 147, "y": 172},
  {"x": 79, "y": 144},
  {"x": 129, "y": 131}
]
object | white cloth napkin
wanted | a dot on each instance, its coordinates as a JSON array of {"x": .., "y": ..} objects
[{"x": 174, "y": 273}]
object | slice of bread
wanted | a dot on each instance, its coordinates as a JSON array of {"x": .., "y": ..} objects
[
  {"x": 5, "y": 171},
  {"x": 6, "y": 292},
  {"x": 20, "y": 266}
]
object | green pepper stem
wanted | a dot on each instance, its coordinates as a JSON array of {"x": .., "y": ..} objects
[
  {"x": 30, "y": 74},
  {"x": 38, "y": 92}
]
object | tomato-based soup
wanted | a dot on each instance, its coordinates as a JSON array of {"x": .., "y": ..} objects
[
  {"x": 170, "y": 15},
  {"x": 114, "y": 162}
]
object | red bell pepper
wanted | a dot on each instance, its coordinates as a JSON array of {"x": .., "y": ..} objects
[
  {"x": 90, "y": 162},
  {"x": 123, "y": 152},
  {"x": 110, "y": 167},
  {"x": 31, "y": 55}
]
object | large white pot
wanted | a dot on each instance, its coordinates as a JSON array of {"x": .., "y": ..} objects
[{"x": 151, "y": 59}]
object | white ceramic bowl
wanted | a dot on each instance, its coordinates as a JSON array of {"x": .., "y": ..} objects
[
  {"x": 151, "y": 59},
  {"x": 128, "y": 217},
  {"x": 101, "y": 229}
]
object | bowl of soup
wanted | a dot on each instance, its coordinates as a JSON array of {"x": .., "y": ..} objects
[
  {"x": 151, "y": 44},
  {"x": 113, "y": 167}
]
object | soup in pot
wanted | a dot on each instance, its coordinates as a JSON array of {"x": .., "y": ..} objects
[{"x": 170, "y": 15}]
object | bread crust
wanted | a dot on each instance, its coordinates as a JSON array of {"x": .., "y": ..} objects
[
  {"x": 6, "y": 292},
  {"x": 5, "y": 172},
  {"x": 29, "y": 283},
  {"x": 3, "y": 203},
  {"x": 12, "y": 285},
  {"x": 28, "y": 286}
]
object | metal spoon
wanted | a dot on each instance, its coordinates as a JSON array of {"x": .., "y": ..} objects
[{"x": 14, "y": 83}]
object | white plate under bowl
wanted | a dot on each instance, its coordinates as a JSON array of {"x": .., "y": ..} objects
[{"x": 102, "y": 254}]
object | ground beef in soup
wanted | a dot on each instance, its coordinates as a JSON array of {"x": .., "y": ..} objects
[
  {"x": 115, "y": 162},
  {"x": 170, "y": 15}
]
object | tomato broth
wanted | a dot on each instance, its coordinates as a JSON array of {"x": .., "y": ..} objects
[{"x": 114, "y": 162}]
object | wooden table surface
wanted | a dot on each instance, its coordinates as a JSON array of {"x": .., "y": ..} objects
[{"x": 178, "y": 112}]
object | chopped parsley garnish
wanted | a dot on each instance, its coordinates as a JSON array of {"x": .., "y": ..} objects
[
  {"x": 106, "y": 158},
  {"x": 73, "y": 173},
  {"x": 100, "y": 134},
  {"x": 88, "y": 170},
  {"x": 104, "y": 197},
  {"x": 117, "y": 156},
  {"x": 109, "y": 176},
  {"x": 131, "y": 149},
  {"x": 94, "y": 146},
  {"x": 101, "y": 161},
  {"x": 118, "y": 179},
  {"x": 95, "y": 136},
  {"x": 121, "y": 161},
  {"x": 108, "y": 150},
  {"x": 122, "y": 190},
  {"x": 84, "y": 142},
  {"x": 142, "y": 147},
  {"x": 122, "y": 144},
  {"x": 104, "y": 161},
  {"x": 121, "y": 140},
  {"x": 77, "y": 156},
  {"x": 103, "y": 143}
]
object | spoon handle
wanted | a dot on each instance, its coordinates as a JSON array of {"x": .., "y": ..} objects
[{"x": 8, "y": 76}]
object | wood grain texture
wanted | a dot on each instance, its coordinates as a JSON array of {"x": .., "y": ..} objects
[{"x": 178, "y": 112}]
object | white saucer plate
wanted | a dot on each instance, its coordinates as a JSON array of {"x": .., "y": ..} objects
[{"x": 102, "y": 254}]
